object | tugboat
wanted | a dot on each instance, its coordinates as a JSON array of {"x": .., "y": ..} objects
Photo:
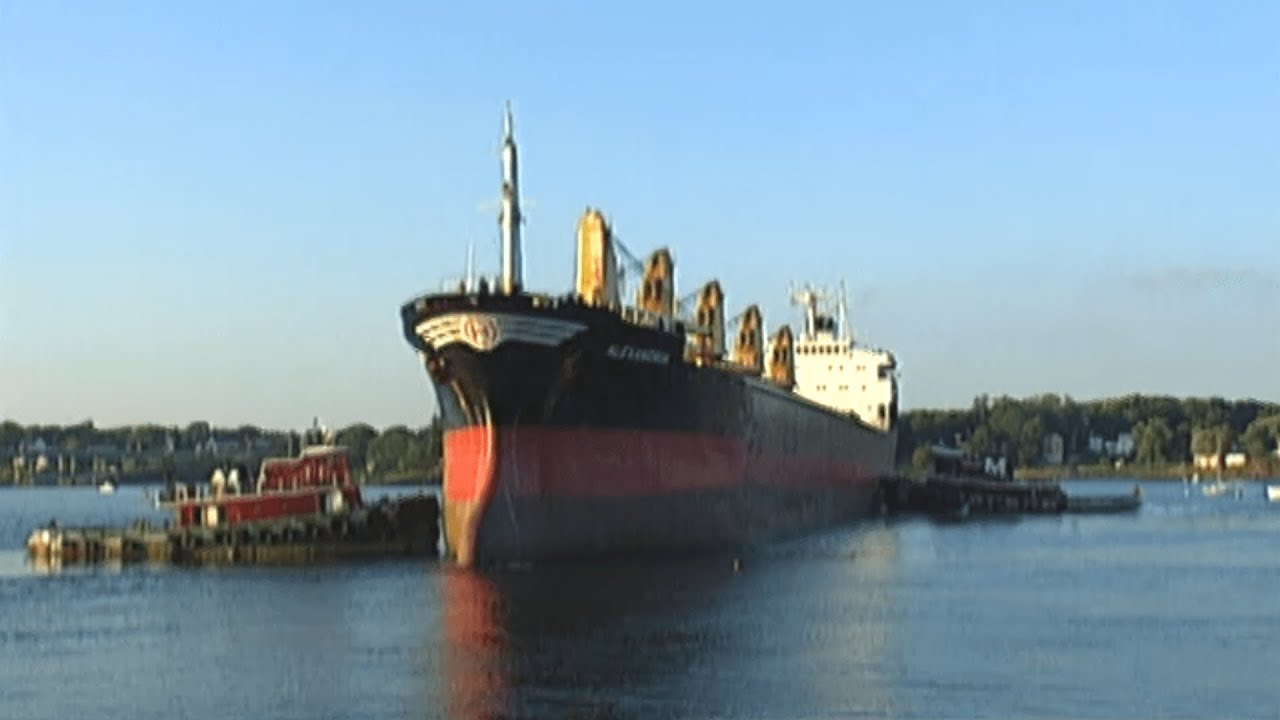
[{"x": 316, "y": 482}]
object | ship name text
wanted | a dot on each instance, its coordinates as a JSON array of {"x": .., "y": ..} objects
[{"x": 635, "y": 354}]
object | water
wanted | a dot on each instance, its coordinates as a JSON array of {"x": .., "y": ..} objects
[{"x": 1173, "y": 612}]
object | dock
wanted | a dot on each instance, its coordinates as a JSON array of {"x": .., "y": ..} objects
[
  {"x": 960, "y": 497},
  {"x": 1106, "y": 503},
  {"x": 958, "y": 485},
  {"x": 403, "y": 527}
]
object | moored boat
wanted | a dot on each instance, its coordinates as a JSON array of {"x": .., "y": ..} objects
[{"x": 580, "y": 426}]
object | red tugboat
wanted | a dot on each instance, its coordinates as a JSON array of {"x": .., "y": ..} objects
[{"x": 316, "y": 482}]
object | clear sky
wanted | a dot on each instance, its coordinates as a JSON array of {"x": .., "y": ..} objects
[{"x": 214, "y": 210}]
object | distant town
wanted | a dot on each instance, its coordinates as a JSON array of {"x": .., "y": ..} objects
[
  {"x": 1044, "y": 435},
  {"x": 1134, "y": 435}
]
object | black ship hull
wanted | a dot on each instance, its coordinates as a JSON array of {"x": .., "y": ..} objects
[{"x": 573, "y": 431}]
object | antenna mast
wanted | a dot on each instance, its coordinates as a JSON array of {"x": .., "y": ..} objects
[
  {"x": 845, "y": 335},
  {"x": 807, "y": 298}
]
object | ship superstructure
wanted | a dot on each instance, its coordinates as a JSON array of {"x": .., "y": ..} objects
[
  {"x": 584, "y": 424},
  {"x": 833, "y": 370}
]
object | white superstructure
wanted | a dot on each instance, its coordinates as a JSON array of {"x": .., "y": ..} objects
[{"x": 833, "y": 370}]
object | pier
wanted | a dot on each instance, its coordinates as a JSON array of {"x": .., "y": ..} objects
[
  {"x": 960, "y": 497},
  {"x": 958, "y": 485}
]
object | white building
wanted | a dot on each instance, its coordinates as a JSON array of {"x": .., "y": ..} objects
[
  {"x": 1205, "y": 461},
  {"x": 1124, "y": 444},
  {"x": 1054, "y": 450},
  {"x": 1096, "y": 444}
]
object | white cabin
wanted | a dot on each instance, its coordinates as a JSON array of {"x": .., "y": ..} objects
[{"x": 832, "y": 370}]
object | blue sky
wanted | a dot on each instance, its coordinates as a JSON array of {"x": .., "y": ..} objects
[{"x": 214, "y": 210}]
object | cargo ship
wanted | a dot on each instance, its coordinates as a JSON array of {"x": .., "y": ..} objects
[{"x": 580, "y": 425}]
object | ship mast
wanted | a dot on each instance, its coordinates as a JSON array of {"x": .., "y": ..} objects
[
  {"x": 808, "y": 299},
  {"x": 509, "y": 218},
  {"x": 471, "y": 266}
]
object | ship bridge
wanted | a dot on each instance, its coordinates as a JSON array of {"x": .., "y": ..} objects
[{"x": 835, "y": 371}]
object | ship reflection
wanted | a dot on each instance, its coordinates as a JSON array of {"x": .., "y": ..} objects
[
  {"x": 46, "y": 565},
  {"x": 670, "y": 638},
  {"x": 473, "y": 646},
  {"x": 591, "y": 638}
]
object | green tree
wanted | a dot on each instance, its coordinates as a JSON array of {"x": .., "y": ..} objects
[
  {"x": 196, "y": 432},
  {"x": 1205, "y": 412},
  {"x": 1259, "y": 439},
  {"x": 420, "y": 456},
  {"x": 252, "y": 432},
  {"x": 11, "y": 433},
  {"x": 148, "y": 437},
  {"x": 1215, "y": 441},
  {"x": 981, "y": 442},
  {"x": 389, "y": 451},
  {"x": 1072, "y": 425},
  {"x": 357, "y": 438},
  {"x": 1204, "y": 441},
  {"x": 1031, "y": 442},
  {"x": 82, "y": 434},
  {"x": 981, "y": 407},
  {"x": 1151, "y": 440},
  {"x": 1226, "y": 438},
  {"x": 922, "y": 458}
]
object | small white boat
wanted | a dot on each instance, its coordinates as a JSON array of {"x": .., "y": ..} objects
[
  {"x": 1215, "y": 488},
  {"x": 106, "y": 487},
  {"x": 1273, "y": 493},
  {"x": 45, "y": 542}
]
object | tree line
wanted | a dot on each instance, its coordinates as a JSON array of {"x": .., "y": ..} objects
[
  {"x": 393, "y": 453},
  {"x": 1164, "y": 430}
]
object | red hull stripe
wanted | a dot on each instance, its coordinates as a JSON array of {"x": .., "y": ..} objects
[{"x": 580, "y": 462}]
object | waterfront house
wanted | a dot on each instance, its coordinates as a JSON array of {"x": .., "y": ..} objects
[{"x": 1054, "y": 449}]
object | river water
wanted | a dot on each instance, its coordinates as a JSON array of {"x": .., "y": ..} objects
[{"x": 1172, "y": 612}]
